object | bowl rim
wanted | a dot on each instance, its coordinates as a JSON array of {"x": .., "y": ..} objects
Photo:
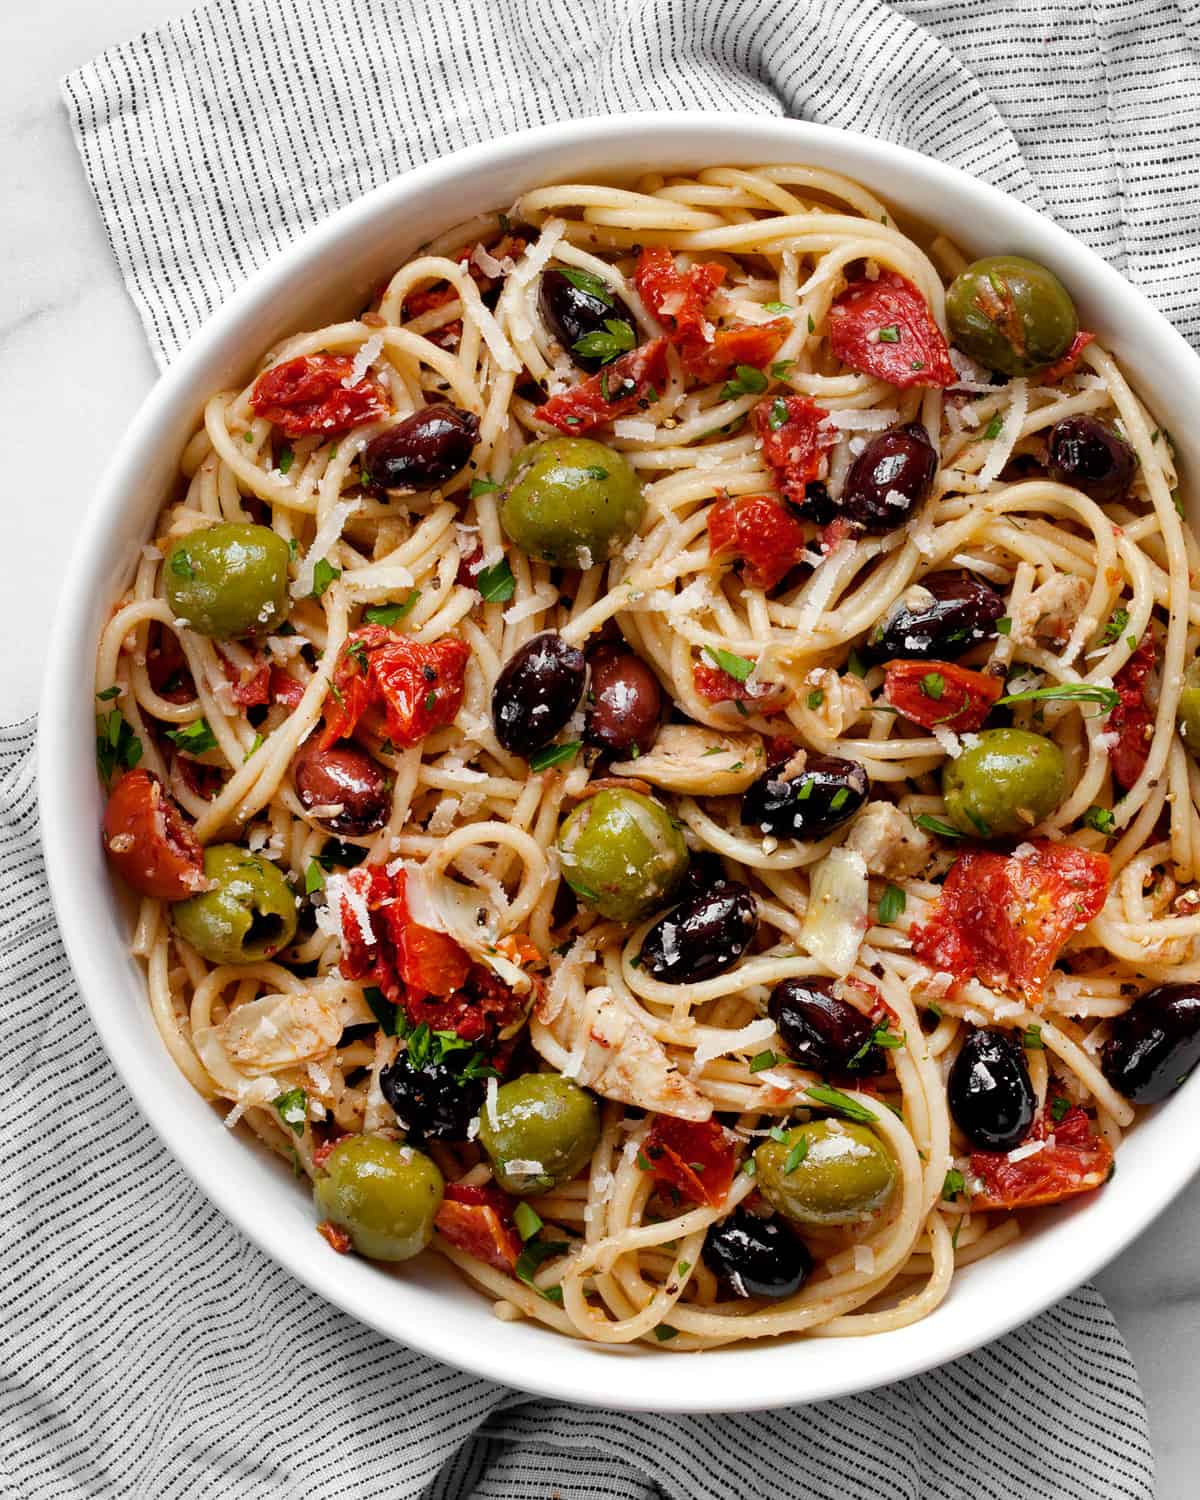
[{"x": 576, "y": 1370}]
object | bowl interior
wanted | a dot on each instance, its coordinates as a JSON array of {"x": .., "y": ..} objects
[{"x": 331, "y": 273}]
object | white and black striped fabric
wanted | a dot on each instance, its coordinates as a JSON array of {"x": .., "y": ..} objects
[{"x": 147, "y": 1350}]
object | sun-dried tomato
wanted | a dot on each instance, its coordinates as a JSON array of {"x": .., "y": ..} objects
[
  {"x": 285, "y": 688},
  {"x": 754, "y": 344},
  {"x": 695, "y": 1157},
  {"x": 933, "y": 693},
  {"x": 150, "y": 844},
  {"x": 1067, "y": 363},
  {"x": 1073, "y": 1160},
  {"x": 479, "y": 1221},
  {"x": 1004, "y": 918},
  {"x": 719, "y": 686},
  {"x": 418, "y": 685},
  {"x": 760, "y": 531},
  {"x": 311, "y": 393},
  {"x": 793, "y": 442},
  {"x": 251, "y": 686},
  {"x": 1133, "y": 718},
  {"x": 884, "y": 328},
  {"x": 336, "y": 1236},
  {"x": 677, "y": 298},
  {"x": 632, "y": 382}
]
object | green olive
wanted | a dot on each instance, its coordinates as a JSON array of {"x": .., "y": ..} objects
[
  {"x": 541, "y": 1132},
  {"x": 1188, "y": 712},
  {"x": 1005, "y": 783},
  {"x": 228, "y": 580},
  {"x": 841, "y": 1172},
  {"x": 622, "y": 853},
  {"x": 248, "y": 916},
  {"x": 571, "y": 501},
  {"x": 1010, "y": 314},
  {"x": 384, "y": 1195}
]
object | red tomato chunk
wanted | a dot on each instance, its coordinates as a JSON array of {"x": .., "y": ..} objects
[
  {"x": 761, "y": 532},
  {"x": 631, "y": 383},
  {"x": 310, "y": 394},
  {"x": 884, "y": 328},
  {"x": 1133, "y": 718},
  {"x": 479, "y": 1221},
  {"x": 793, "y": 442},
  {"x": 1004, "y": 918},
  {"x": 694, "y": 1157},
  {"x": 1072, "y": 1161},
  {"x": 419, "y": 686},
  {"x": 933, "y": 693}
]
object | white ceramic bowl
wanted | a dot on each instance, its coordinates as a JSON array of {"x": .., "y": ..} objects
[{"x": 327, "y": 274}]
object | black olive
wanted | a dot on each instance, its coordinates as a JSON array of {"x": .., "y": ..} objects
[
  {"x": 820, "y": 798},
  {"x": 753, "y": 1257},
  {"x": 422, "y": 451},
  {"x": 940, "y": 616},
  {"x": 705, "y": 869},
  {"x": 1088, "y": 454},
  {"x": 343, "y": 776},
  {"x": 573, "y": 311},
  {"x": 821, "y": 1031},
  {"x": 626, "y": 702},
  {"x": 702, "y": 938},
  {"x": 990, "y": 1095},
  {"x": 537, "y": 691},
  {"x": 432, "y": 1102},
  {"x": 889, "y": 479},
  {"x": 818, "y": 505},
  {"x": 1155, "y": 1045}
]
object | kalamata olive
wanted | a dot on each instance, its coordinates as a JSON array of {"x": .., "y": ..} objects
[
  {"x": 889, "y": 479},
  {"x": 626, "y": 702},
  {"x": 755, "y": 1257},
  {"x": 575, "y": 304},
  {"x": 343, "y": 776},
  {"x": 1090, "y": 455},
  {"x": 815, "y": 801},
  {"x": 821, "y": 1031},
  {"x": 941, "y": 616},
  {"x": 989, "y": 1092},
  {"x": 705, "y": 869},
  {"x": 537, "y": 691},
  {"x": 818, "y": 505},
  {"x": 422, "y": 451},
  {"x": 432, "y": 1102},
  {"x": 1155, "y": 1045},
  {"x": 150, "y": 845},
  {"x": 702, "y": 938}
]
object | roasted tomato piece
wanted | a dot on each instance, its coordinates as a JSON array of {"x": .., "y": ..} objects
[
  {"x": 1004, "y": 918},
  {"x": 311, "y": 394},
  {"x": 719, "y": 686},
  {"x": 677, "y": 298},
  {"x": 167, "y": 667},
  {"x": 285, "y": 688},
  {"x": 1073, "y": 1160},
  {"x": 760, "y": 531},
  {"x": 251, "y": 686},
  {"x": 884, "y": 328},
  {"x": 793, "y": 442},
  {"x": 1133, "y": 718},
  {"x": 420, "y": 686},
  {"x": 693, "y": 1156},
  {"x": 744, "y": 344},
  {"x": 938, "y": 692},
  {"x": 479, "y": 1221},
  {"x": 1067, "y": 365},
  {"x": 631, "y": 383},
  {"x": 150, "y": 844}
]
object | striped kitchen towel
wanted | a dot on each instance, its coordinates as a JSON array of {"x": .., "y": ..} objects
[{"x": 148, "y": 1351}]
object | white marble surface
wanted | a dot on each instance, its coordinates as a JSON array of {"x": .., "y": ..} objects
[{"x": 73, "y": 367}]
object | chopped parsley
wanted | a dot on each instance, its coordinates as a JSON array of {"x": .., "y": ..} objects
[
  {"x": 496, "y": 584},
  {"x": 589, "y": 284},
  {"x": 812, "y": 327},
  {"x": 1058, "y": 1108},
  {"x": 1004, "y": 625},
  {"x": 778, "y": 414},
  {"x": 738, "y": 667},
  {"x": 761, "y": 1060},
  {"x": 816, "y": 698},
  {"x": 324, "y": 573},
  {"x": 526, "y": 1221},
  {"x": 117, "y": 747},
  {"x": 891, "y": 904},
  {"x": 181, "y": 563},
  {"x": 839, "y": 799},
  {"x": 935, "y": 825},
  {"x": 933, "y": 685},
  {"x": 777, "y": 307},
  {"x": 855, "y": 664},
  {"x": 1115, "y": 627},
  {"x": 995, "y": 427},
  {"x": 554, "y": 755},
  {"x": 195, "y": 737},
  {"x": 831, "y": 1098},
  {"x": 954, "y": 1184},
  {"x": 482, "y": 487},
  {"x": 747, "y": 381},
  {"x": 1101, "y": 819},
  {"x": 664, "y": 1331},
  {"x": 391, "y": 614},
  {"x": 109, "y": 693},
  {"x": 796, "y": 1154},
  {"x": 259, "y": 739},
  {"x": 292, "y": 1109},
  {"x": 387, "y": 1014},
  {"x": 1086, "y": 692},
  {"x": 529, "y": 1260},
  {"x": 1032, "y": 1039},
  {"x": 314, "y": 877},
  {"x": 616, "y": 337},
  {"x": 779, "y": 370},
  {"x": 286, "y": 458},
  {"x": 889, "y": 334}
]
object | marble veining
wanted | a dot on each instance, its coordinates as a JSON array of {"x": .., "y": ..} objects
[{"x": 73, "y": 367}]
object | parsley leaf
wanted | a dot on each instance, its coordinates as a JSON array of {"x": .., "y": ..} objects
[
  {"x": 1032, "y": 1039},
  {"x": 815, "y": 698},
  {"x": 994, "y": 427},
  {"x": 1004, "y": 625},
  {"x": 293, "y": 1109},
  {"x": 109, "y": 692},
  {"x": 387, "y": 1014},
  {"x": 195, "y": 737},
  {"x": 777, "y": 307},
  {"x": 526, "y": 1221},
  {"x": 935, "y": 825},
  {"x": 116, "y": 744},
  {"x": 1086, "y": 692},
  {"x": 889, "y": 335},
  {"x": 832, "y": 1098},
  {"x": 778, "y": 414},
  {"x": 591, "y": 285},
  {"x": 390, "y": 614},
  {"x": 1116, "y": 625},
  {"x": 891, "y": 904},
  {"x": 747, "y": 382},
  {"x": 181, "y": 563},
  {"x": 286, "y": 456},
  {"x": 738, "y": 667},
  {"x": 482, "y": 487},
  {"x": 496, "y": 584},
  {"x": 664, "y": 1331},
  {"x": 761, "y": 1060},
  {"x": 605, "y": 344},
  {"x": 796, "y": 1154},
  {"x": 855, "y": 664},
  {"x": 314, "y": 877},
  {"x": 324, "y": 573},
  {"x": 554, "y": 755},
  {"x": 1058, "y": 1108},
  {"x": 1101, "y": 819},
  {"x": 954, "y": 1184},
  {"x": 933, "y": 685}
]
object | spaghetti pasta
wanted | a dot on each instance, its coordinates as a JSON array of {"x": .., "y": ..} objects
[{"x": 411, "y": 912}]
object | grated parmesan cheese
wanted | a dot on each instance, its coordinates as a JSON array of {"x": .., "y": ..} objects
[
  {"x": 368, "y": 353},
  {"x": 1006, "y": 441},
  {"x": 1026, "y": 1150},
  {"x": 743, "y": 1039},
  {"x": 864, "y": 1258},
  {"x": 328, "y": 532},
  {"x": 636, "y": 429},
  {"x": 489, "y": 1103}
]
